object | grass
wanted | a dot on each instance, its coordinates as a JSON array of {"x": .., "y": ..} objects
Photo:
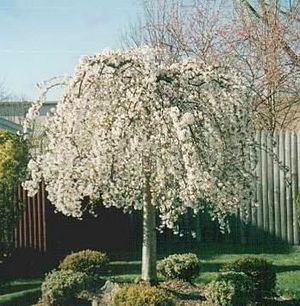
[
  {"x": 21, "y": 297},
  {"x": 20, "y": 285},
  {"x": 213, "y": 256},
  {"x": 20, "y": 292},
  {"x": 289, "y": 284}
]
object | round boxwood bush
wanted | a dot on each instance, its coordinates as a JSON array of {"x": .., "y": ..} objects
[
  {"x": 242, "y": 284},
  {"x": 180, "y": 266},
  {"x": 261, "y": 272},
  {"x": 220, "y": 293},
  {"x": 142, "y": 295},
  {"x": 61, "y": 288},
  {"x": 93, "y": 263}
]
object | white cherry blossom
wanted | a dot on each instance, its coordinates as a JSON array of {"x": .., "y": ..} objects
[{"x": 134, "y": 126}]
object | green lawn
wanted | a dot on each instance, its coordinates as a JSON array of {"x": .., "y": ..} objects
[
  {"x": 20, "y": 292},
  {"x": 285, "y": 259},
  {"x": 213, "y": 256}
]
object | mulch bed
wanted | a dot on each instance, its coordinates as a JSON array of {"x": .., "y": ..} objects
[{"x": 186, "y": 294}]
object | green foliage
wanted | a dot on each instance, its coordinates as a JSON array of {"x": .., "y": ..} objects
[
  {"x": 14, "y": 156},
  {"x": 142, "y": 295},
  {"x": 61, "y": 288},
  {"x": 181, "y": 266},
  {"x": 220, "y": 293},
  {"x": 93, "y": 263},
  {"x": 230, "y": 289},
  {"x": 9, "y": 213},
  {"x": 261, "y": 272},
  {"x": 243, "y": 286}
]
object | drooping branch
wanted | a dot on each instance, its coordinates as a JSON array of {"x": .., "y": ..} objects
[{"x": 126, "y": 110}]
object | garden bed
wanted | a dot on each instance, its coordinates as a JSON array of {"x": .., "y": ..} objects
[{"x": 213, "y": 256}]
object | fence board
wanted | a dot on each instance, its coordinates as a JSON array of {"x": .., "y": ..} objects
[
  {"x": 254, "y": 199},
  {"x": 282, "y": 187},
  {"x": 289, "y": 210},
  {"x": 294, "y": 168},
  {"x": 264, "y": 174},
  {"x": 270, "y": 187},
  {"x": 276, "y": 186},
  {"x": 260, "y": 218},
  {"x": 43, "y": 196}
]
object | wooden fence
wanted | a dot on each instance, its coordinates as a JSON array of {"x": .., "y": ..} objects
[
  {"x": 31, "y": 231},
  {"x": 277, "y": 186},
  {"x": 271, "y": 215}
]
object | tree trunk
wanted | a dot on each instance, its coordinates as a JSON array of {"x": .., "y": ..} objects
[{"x": 149, "y": 240}]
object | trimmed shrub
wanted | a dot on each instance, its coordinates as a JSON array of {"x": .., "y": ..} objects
[
  {"x": 142, "y": 295},
  {"x": 261, "y": 272},
  {"x": 180, "y": 266},
  {"x": 220, "y": 293},
  {"x": 242, "y": 284},
  {"x": 61, "y": 288},
  {"x": 93, "y": 263}
]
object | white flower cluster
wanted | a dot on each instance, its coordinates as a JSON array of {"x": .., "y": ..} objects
[{"x": 131, "y": 115}]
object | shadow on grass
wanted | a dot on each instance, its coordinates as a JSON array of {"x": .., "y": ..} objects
[
  {"x": 22, "y": 298},
  {"x": 217, "y": 267},
  {"x": 287, "y": 268},
  {"x": 281, "y": 303},
  {"x": 134, "y": 267},
  {"x": 211, "y": 267},
  {"x": 124, "y": 267},
  {"x": 206, "y": 250},
  {"x": 211, "y": 250},
  {"x": 16, "y": 288}
]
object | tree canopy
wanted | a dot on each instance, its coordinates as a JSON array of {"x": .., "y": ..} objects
[
  {"x": 132, "y": 119},
  {"x": 13, "y": 161}
]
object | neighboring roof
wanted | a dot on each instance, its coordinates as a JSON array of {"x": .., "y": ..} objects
[
  {"x": 9, "y": 125},
  {"x": 20, "y": 108}
]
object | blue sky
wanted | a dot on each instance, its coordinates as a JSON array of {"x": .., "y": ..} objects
[{"x": 40, "y": 39}]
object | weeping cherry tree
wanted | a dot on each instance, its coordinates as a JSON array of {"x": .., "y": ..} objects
[{"x": 141, "y": 131}]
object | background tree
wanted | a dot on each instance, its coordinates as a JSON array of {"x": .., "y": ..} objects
[
  {"x": 140, "y": 130},
  {"x": 13, "y": 160},
  {"x": 258, "y": 38},
  {"x": 4, "y": 95},
  {"x": 269, "y": 42},
  {"x": 184, "y": 28}
]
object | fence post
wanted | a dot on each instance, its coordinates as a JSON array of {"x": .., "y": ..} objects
[
  {"x": 294, "y": 168},
  {"x": 283, "y": 222},
  {"x": 264, "y": 173},
  {"x": 44, "y": 212},
  {"x": 254, "y": 200},
  {"x": 289, "y": 198},
  {"x": 276, "y": 186},
  {"x": 270, "y": 174},
  {"x": 260, "y": 212}
]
